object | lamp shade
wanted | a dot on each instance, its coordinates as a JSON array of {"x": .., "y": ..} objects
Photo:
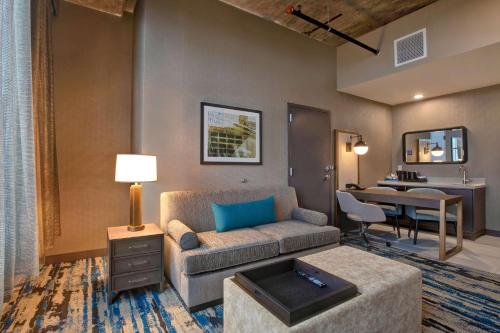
[
  {"x": 360, "y": 148},
  {"x": 132, "y": 168}
]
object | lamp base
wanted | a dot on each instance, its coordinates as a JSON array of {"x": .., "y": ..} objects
[
  {"x": 136, "y": 227},
  {"x": 135, "y": 208}
]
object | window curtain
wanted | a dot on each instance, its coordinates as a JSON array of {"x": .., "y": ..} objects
[
  {"x": 18, "y": 224},
  {"x": 44, "y": 122}
]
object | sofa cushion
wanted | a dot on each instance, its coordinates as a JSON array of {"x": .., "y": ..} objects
[
  {"x": 182, "y": 234},
  {"x": 226, "y": 249},
  {"x": 309, "y": 216},
  {"x": 243, "y": 214},
  {"x": 296, "y": 235}
]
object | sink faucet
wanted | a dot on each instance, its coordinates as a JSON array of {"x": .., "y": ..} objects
[{"x": 462, "y": 169}]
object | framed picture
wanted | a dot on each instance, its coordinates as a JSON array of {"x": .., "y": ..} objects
[{"x": 230, "y": 135}]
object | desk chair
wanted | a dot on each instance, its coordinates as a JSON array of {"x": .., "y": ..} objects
[
  {"x": 360, "y": 212},
  {"x": 390, "y": 210},
  {"x": 415, "y": 214}
]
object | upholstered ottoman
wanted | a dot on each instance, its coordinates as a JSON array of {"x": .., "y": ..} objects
[{"x": 390, "y": 298}]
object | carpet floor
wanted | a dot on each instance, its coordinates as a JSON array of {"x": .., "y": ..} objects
[{"x": 71, "y": 297}]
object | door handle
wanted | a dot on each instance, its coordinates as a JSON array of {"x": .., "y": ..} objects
[{"x": 326, "y": 177}]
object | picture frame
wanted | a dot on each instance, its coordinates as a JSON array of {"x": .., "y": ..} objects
[{"x": 230, "y": 135}]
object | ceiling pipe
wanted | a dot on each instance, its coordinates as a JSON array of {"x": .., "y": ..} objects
[
  {"x": 317, "y": 28},
  {"x": 292, "y": 11}
]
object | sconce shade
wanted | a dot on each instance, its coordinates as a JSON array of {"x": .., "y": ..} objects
[
  {"x": 437, "y": 151},
  {"x": 133, "y": 168},
  {"x": 360, "y": 148}
]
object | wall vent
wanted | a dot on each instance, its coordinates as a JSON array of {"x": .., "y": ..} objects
[{"x": 410, "y": 48}]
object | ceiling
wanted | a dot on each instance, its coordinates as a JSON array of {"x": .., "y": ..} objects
[{"x": 358, "y": 16}]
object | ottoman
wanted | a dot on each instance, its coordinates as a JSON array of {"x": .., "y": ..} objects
[{"x": 390, "y": 298}]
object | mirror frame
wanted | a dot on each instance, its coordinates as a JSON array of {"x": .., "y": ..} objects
[{"x": 464, "y": 136}]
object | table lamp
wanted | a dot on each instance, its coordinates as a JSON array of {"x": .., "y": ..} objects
[{"x": 133, "y": 168}]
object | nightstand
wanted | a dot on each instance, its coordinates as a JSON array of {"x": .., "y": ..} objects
[{"x": 135, "y": 259}]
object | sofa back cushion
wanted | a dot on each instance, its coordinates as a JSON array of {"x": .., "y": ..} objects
[
  {"x": 194, "y": 208},
  {"x": 245, "y": 214}
]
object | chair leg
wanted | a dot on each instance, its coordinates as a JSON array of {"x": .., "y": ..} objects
[
  {"x": 365, "y": 238},
  {"x": 415, "y": 233},
  {"x": 397, "y": 226},
  {"x": 393, "y": 224},
  {"x": 409, "y": 227},
  {"x": 455, "y": 228},
  {"x": 363, "y": 233}
]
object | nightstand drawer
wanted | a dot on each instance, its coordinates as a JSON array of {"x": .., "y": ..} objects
[
  {"x": 136, "y": 246},
  {"x": 128, "y": 265},
  {"x": 139, "y": 279}
]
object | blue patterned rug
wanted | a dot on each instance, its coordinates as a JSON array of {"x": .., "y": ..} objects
[
  {"x": 454, "y": 298},
  {"x": 71, "y": 297}
]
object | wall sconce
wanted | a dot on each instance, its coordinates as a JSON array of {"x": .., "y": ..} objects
[{"x": 360, "y": 147}]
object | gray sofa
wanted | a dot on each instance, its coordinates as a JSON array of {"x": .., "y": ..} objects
[{"x": 198, "y": 273}]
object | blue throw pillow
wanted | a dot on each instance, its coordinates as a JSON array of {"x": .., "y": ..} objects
[{"x": 243, "y": 214}]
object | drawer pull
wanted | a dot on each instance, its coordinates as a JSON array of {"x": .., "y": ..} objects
[
  {"x": 138, "y": 280},
  {"x": 138, "y": 263},
  {"x": 138, "y": 247}
]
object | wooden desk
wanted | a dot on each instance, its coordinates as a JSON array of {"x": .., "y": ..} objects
[{"x": 425, "y": 200}]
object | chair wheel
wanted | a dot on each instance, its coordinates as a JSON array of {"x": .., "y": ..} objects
[{"x": 388, "y": 244}]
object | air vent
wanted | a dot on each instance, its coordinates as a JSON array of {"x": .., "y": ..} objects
[{"x": 410, "y": 48}]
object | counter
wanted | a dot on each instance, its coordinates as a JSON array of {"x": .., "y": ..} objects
[{"x": 440, "y": 182}]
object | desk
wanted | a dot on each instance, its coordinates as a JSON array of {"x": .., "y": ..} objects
[{"x": 425, "y": 200}]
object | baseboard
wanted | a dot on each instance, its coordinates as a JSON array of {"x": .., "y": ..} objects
[
  {"x": 495, "y": 233},
  {"x": 69, "y": 257}
]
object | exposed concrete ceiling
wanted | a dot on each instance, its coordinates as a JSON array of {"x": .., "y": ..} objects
[
  {"x": 358, "y": 16},
  {"x": 113, "y": 7}
]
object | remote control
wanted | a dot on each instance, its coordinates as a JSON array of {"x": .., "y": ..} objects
[{"x": 310, "y": 278}]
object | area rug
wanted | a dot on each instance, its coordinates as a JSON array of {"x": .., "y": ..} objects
[
  {"x": 454, "y": 298},
  {"x": 71, "y": 297}
]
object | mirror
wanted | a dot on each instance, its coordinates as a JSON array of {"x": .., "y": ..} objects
[{"x": 439, "y": 146}]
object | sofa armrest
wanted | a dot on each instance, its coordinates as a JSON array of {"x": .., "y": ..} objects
[
  {"x": 310, "y": 216},
  {"x": 182, "y": 234}
]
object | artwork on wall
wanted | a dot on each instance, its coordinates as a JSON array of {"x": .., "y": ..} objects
[{"x": 230, "y": 135}]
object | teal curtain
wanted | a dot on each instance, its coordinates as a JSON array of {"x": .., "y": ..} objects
[{"x": 18, "y": 224}]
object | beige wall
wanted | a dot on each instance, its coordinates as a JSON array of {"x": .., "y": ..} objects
[
  {"x": 453, "y": 27},
  {"x": 93, "y": 86},
  {"x": 479, "y": 111},
  {"x": 216, "y": 53},
  {"x": 463, "y": 41}
]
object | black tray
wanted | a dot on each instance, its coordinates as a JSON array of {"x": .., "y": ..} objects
[{"x": 288, "y": 296}]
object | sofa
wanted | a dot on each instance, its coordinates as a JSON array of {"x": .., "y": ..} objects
[{"x": 198, "y": 259}]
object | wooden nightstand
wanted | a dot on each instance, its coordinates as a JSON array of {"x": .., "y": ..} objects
[{"x": 135, "y": 259}]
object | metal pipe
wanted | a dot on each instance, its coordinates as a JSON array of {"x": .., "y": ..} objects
[
  {"x": 327, "y": 22},
  {"x": 292, "y": 11}
]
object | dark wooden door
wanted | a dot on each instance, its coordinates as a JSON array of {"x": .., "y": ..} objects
[{"x": 310, "y": 157}]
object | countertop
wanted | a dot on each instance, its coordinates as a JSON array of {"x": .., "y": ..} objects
[{"x": 440, "y": 182}]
